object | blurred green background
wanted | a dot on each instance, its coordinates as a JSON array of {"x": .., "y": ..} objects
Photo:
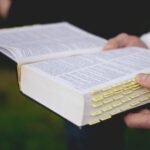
[{"x": 26, "y": 125}]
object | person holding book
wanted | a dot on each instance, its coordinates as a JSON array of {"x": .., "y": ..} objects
[
  {"x": 87, "y": 137},
  {"x": 142, "y": 118}
]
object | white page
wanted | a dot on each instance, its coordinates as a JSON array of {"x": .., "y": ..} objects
[
  {"x": 91, "y": 70},
  {"x": 44, "y": 41}
]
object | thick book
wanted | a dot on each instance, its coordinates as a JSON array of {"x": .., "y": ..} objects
[{"x": 64, "y": 68}]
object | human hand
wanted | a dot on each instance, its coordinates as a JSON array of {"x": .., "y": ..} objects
[
  {"x": 138, "y": 120},
  {"x": 4, "y": 8},
  {"x": 142, "y": 118},
  {"x": 124, "y": 40}
]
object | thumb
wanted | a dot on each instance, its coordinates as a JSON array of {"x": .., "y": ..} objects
[{"x": 143, "y": 79}]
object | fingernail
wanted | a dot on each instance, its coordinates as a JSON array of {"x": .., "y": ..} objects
[
  {"x": 105, "y": 47},
  {"x": 108, "y": 47}
]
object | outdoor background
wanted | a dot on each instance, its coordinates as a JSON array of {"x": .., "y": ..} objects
[{"x": 26, "y": 125}]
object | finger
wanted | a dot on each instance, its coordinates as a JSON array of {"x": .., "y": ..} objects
[
  {"x": 135, "y": 41},
  {"x": 144, "y": 80},
  {"x": 124, "y": 39},
  {"x": 145, "y": 111},
  {"x": 138, "y": 120},
  {"x": 111, "y": 44},
  {"x": 117, "y": 42}
]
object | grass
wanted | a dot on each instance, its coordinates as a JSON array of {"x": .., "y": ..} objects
[{"x": 24, "y": 124}]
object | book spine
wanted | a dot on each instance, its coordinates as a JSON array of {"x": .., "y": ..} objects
[{"x": 19, "y": 73}]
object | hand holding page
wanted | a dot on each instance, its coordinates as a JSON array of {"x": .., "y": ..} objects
[{"x": 78, "y": 81}]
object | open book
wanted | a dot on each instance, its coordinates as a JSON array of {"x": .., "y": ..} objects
[{"x": 63, "y": 68}]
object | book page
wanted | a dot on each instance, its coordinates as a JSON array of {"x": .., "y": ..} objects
[
  {"x": 40, "y": 42},
  {"x": 90, "y": 71}
]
